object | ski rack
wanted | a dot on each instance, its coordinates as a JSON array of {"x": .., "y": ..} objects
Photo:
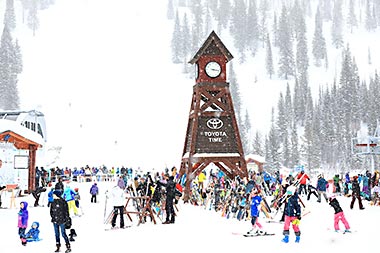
[{"x": 141, "y": 213}]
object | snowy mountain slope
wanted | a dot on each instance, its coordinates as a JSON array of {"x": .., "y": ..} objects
[{"x": 101, "y": 71}]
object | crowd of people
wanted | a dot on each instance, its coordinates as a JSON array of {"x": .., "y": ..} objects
[{"x": 237, "y": 198}]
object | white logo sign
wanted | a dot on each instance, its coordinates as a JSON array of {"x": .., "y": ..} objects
[{"x": 214, "y": 123}]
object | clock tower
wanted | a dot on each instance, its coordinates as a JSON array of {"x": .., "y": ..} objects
[{"x": 212, "y": 135}]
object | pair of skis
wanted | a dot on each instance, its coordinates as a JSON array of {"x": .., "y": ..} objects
[{"x": 254, "y": 234}]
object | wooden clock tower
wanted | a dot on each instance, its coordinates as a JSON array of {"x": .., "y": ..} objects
[{"x": 212, "y": 132}]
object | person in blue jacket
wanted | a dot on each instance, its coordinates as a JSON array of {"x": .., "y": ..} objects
[
  {"x": 321, "y": 188},
  {"x": 34, "y": 232},
  {"x": 69, "y": 196},
  {"x": 50, "y": 197},
  {"x": 255, "y": 210}
]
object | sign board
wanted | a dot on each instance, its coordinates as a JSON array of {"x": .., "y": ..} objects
[{"x": 215, "y": 135}]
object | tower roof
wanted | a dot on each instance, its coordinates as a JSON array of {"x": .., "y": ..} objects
[{"x": 212, "y": 46}]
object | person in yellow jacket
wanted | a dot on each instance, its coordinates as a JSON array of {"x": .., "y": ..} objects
[{"x": 201, "y": 179}]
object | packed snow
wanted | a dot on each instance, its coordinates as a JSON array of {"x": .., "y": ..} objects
[{"x": 196, "y": 229}]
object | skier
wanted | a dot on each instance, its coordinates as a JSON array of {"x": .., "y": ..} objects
[
  {"x": 302, "y": 178},
  {"x": 255, "y": 203},
  {"x": 118, "y": 201},
  {"x": 292, "y": 214},
  {"x": 338, "y": 215},
  {"x": 170, "y": 194}
]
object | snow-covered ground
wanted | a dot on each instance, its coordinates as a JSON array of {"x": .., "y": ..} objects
[{"x": 195, "y": 229}]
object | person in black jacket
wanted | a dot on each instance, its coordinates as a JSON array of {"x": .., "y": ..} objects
[
  {"x": 59, "y": 212},
  {"x": 170, "y": 195},
  {"x": 356, "y": 193},
  {"x": 338, "y": 215},
  {"x": 292, "y": 214},
  {"x": 312, "y": 190}
]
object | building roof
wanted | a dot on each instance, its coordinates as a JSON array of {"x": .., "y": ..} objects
[{"x": 210, "y": 46}]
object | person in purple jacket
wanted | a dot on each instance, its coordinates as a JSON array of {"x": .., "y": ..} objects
[
  {"x": 23, "y": 216},
  {"x": 94, "y": 190}
]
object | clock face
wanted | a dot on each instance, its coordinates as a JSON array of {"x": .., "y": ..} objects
[{"x": 213, "y": 69}]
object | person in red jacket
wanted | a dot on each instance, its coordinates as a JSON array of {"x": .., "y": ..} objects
[{"x": 302, "y": 178}]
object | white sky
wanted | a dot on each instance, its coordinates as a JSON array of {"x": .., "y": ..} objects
[
  {"x": 195, "y": 229},
  {"x": 102, "y": 74}
]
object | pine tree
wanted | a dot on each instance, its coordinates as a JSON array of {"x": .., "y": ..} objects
[
  {"x": 263, "y": 9},
  {"x": 176, "y": 45},
  {"x": 269, "y": 58},
  {"x": 170, "y": 10},
  {"x": 235, "y": 94},
  {"x": 370, "y": 19},
  {"x": 337, "y": 29},
  {"x": 319, "y": 43},
  {"x": 294, "y": 150},
  {"x": 258, "y": 147},
  {"x": 286, "y": 62},
  {"x": 9, "y": 16},
  {"x": 10, "y": 67},
  {"x": 273, "y": 146},
  {"x": 245, "y": 134},
  {"x": 252, "y": 27},
  {"x": 197, "y": 11},
  {"x": 352, "y": 21},
  {"x": 238, "y": 23},
  {"x": 302, "y": 58},
  {"x": 33, "y": 20}
]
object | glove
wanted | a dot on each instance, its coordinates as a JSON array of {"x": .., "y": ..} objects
[{"x": 299, "y": 217}]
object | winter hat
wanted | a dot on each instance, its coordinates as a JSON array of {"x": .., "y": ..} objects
[
  {"x": 290, "y": 190},
  {"x": 58, "y": 193}
]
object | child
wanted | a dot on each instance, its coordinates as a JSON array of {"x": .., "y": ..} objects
[
  {"x": 255, "y": 203},
  {"x": 23, "y": 216},
  {"x": 292, "y": 214},
  {"x": 77, "y": 200},
  {"x": 50, "y": 197},
  {"x": 338, "y": 215},
  {"x": 33, "y": 234}
]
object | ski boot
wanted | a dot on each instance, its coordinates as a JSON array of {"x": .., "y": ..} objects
[
  {"x": 253, "y": 231},
  {"x": 286, "y": 239},
  {"x": 68, "y": 248},
  {"x": 298, "y": 238}
]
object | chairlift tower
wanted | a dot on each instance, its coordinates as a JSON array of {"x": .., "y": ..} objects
[{"x": 367, "y": 145}]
